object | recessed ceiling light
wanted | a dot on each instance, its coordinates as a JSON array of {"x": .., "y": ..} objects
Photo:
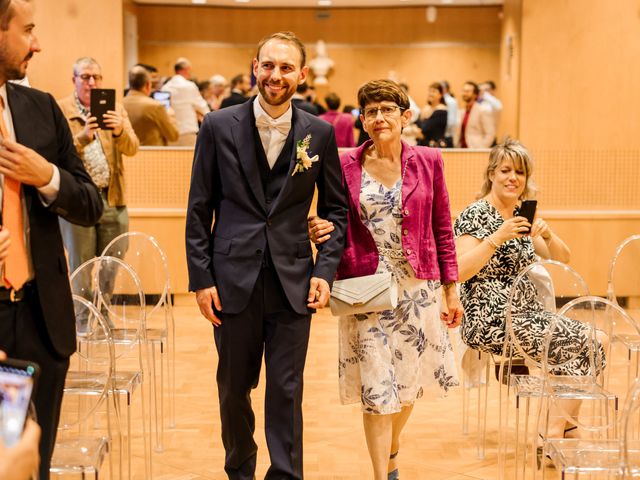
[
  {"x": 199, "y": 2},
  {"x": 243, "y": 1},
  {"x": 324, "y": 3},
  {"x": 446, "y": 2}
]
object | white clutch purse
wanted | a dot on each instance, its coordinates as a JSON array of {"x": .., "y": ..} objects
[{"x": 371, "y": 293}]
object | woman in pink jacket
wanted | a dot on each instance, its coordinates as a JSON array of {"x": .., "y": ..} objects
[{"x": 399, "y": 222}]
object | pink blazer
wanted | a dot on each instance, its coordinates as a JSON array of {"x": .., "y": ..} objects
[{"x": 427, "y": 236}]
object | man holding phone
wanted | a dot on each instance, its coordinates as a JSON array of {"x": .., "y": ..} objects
[
  {"x": 101, "y": 152},
  {"x": 41, "y": 178}
]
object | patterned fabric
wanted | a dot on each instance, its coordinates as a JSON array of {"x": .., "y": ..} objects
[
  {"x": 388, "y": 358},
  {"x": 484, "y": 299},
  {"x": 94, "y": 159}
]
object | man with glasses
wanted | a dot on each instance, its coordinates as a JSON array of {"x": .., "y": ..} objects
[{"x": 101, "y": 152}]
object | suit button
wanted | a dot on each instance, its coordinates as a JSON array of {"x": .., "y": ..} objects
[
  {"x": 268, "y": 199},
  {"x": 269, "y": 222},
  {"x": 259, "y": 252}
]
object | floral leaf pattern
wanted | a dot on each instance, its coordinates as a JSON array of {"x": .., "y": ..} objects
[
  {"x": 485, "y": 296},
  {"x": 387, "y": 359}
]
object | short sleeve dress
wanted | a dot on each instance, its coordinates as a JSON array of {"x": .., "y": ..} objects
[
  {"x": 484, "y": 299},
  {"x": 388, "y": 359}
]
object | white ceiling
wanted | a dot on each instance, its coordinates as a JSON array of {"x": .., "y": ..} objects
[{"x": 319, "y": 3}]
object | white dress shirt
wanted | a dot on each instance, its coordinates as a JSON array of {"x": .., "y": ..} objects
[
  {"x": 273, "y": 131},
  {"x": 185, "y": 101}
]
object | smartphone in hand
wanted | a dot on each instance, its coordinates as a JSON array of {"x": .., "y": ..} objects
[
  {"x": 17, "y": 383},
  {"x": 102, "y": 100},
  {"x": 527, "y": 210}
]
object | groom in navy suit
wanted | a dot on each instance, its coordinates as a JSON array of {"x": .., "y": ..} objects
[{"x": 255, "y": 169}]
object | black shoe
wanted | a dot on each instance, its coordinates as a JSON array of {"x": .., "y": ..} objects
[{"x": 518, "y": 367}]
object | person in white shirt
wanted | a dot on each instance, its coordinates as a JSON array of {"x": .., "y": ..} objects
[
  {"x": 186, "y": 101},
  {"x": 452, "y": 114},
  {"x": 487, "y": 96}
]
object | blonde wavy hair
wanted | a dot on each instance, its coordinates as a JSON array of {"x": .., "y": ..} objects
[{"x": 513, "y": 150}]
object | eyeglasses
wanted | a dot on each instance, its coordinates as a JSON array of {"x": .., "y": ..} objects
[
  {"x": 85, "y": 77},
  {"x": 386, "y": 110}
]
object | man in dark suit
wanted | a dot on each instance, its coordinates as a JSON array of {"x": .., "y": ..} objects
[
  {"x": 255, "y": 168},
  {"x": 240, "y": 86},
  {"x": 42, "y": 178}
]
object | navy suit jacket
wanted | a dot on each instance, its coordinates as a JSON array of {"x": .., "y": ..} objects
[
  {"x": 226, "y": 184},
  {"x": 39, "y": 124}
]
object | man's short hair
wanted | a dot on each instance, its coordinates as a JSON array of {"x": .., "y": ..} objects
[
  {"x": 237, "y": 80},
  {"x": 491, "y": 84},
  {"x": 84, "y": 62},
  {"x": 476, "y": 89},
  {"x": 333, "y": 101},
  {"x": 218, "y": 80},
  {"x": 285, "y": 37},
  {"x": 181, "y": 64},
  {"x": 147, "y": 67},
  {"x": 6, "y": 13},
  {"x": 138, "y": 78},
  {"x": 302, "y": 88}
]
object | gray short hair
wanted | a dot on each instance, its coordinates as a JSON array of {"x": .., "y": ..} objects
[{"x": 84, "y": 62}]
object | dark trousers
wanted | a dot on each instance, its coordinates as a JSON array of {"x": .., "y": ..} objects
[
  {"x": 23, "y": 335},
  {"x": 267, "y": 325}
]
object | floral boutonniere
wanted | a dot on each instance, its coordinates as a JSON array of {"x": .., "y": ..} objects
[{"x": 303, "y": 161}]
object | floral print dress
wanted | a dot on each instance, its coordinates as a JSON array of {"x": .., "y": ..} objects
[
  {"x": 485, "y": 296},
  {"x": 387, "y": 359}
]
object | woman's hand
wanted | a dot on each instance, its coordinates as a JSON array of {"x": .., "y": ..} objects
[
  {"x": 319, "y": 229},
  {"x": 515, "y": 227},
  {"x": 540, "y": 228},
  {"x": 453, "y": 315}
]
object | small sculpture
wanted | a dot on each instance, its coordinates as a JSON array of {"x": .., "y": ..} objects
[{"x": 321, "y": 64}]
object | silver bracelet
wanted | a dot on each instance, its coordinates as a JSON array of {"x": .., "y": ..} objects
[{"x": 492, "y": 242}]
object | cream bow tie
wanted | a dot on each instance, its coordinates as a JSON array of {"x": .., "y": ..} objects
[{"x": 283, "y": 126}]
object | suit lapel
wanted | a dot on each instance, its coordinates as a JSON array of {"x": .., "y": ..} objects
[
  {"x": 300, "y": 126},
  {"x": 245, "y": 144},
  {"x": 24, "y": 130}
]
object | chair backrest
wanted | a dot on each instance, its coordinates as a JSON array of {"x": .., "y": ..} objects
[
  {"x": 91, "y": 368},
  {"x": 112, "y": 286},
  {"x": 144, "y": 254},
  {"x": 630, "y": 435},
  {"x": 542, "y": 286},
  {"x": 624, "y": 274}
]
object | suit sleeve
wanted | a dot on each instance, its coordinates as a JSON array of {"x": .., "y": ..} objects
[
  {"x": 441, "y": 224},
  {"x": 332, "y": 206},
  {"x": 78, "y": 199},
  {"x": 201, "y": 209},
  {"x": 168, "y": 130}
]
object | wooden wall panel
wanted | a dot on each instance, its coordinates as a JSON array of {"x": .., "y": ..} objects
[
  {"x": 580, "y": 74},
  {"x": 68, "y": 29},
  {"x": 369, "y": 43},
  {"x": 510, "y": 58}
]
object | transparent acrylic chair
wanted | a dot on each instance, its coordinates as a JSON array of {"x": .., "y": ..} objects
[
  {"x": 623, "y": 289},
  {"x": 144, "y": 254},
  {"x": 114, "y": 288},
  {"x": 537, "y": 292},
  {"x": 581, "y": 401},
  {"x": 80, "y": 446}
]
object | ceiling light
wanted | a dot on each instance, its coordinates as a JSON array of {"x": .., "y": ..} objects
[
  {"x": 446, "y": 2},
  {"x": 199, "y": 2},
  {"x": 324, "y": 3},
  {"x": 243, "y": 1}
]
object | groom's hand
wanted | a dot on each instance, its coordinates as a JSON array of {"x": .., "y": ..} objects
[
  {"x": 206, "y": 297},
  {"x": 318, "y": 293}
]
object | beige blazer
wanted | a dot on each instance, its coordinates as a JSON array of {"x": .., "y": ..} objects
[
  {"x": 150, "y": 120},
  {"x": 481, "y": 129}
]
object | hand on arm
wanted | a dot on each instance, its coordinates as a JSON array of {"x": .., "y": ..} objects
[
  {"x": 206, "y": 297},
  {"x": 319, "y": 292},
  {"x": 319, "y": 229}
]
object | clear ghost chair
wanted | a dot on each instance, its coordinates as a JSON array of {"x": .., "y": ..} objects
[
  {"x": 623, "y": 288},
  {"x": 537, "y": 292},
  {"x": 114, "y": 288},
  {"x": 582, "y": 401},
  {"x": 144, "y": 254},
  {"x": 629, "y": 465},
  {"x": 80, "y": 446}
]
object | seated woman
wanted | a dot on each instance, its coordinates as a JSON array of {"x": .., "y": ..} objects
[
  {"x": 399, "y": 222},
  {"x": 493, "y": 246}
]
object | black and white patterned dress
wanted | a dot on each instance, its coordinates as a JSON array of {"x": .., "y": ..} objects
[
  {"x": 387, "y": 359},
  {"x": 484, "y": 298}
]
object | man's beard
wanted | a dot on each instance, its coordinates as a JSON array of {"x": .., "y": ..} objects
[
  {"x": 281, "y": 98},
  {"x": 12, "y": 72}
]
